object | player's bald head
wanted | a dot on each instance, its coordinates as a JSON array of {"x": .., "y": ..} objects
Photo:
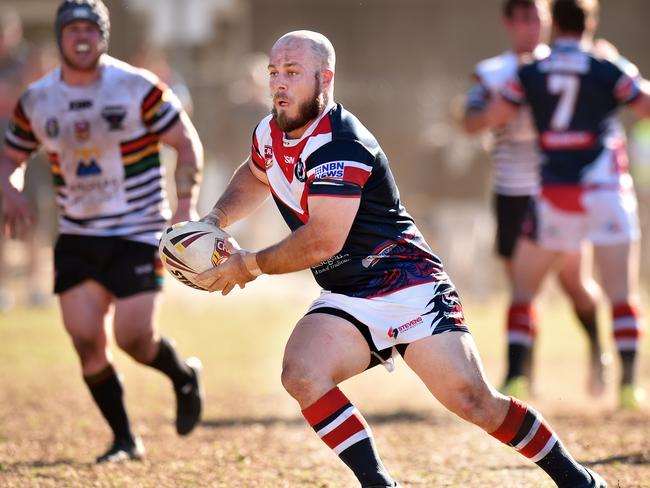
[{"x": 318, "y": 47}]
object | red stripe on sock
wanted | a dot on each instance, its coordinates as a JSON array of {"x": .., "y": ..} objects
[
  {"x": 628, "y": 334},
  {"x": 626, "y": 309},
  {"x": 522, "y": 317},
  {"x": 538, "y": 441},
  {"x": 344, "y": 431},
  {"x": 512, "y": 422},
  {"x": 325, "y": 406}
]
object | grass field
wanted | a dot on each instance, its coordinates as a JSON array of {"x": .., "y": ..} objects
[{"x": 253, "y": 435}]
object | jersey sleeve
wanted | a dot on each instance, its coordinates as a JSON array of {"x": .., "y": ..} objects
[
  {"x": 256, "y": 154},
  {"x": 19, "y": 135},
  {"x": 513, "y": 90},
  {"x": 160, "y": 108},
  {"x": 628, "y": 81},
  {"x": 478, "y": 95},
  {"x": 339, "y": 169}
]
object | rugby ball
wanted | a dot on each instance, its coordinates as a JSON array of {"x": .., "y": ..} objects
[{"x": 190, "y": 248}]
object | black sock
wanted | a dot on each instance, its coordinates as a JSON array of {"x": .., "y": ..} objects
[
  {"x": 169, "y": 363},
  {"x": 363, "y": 460},
  {"x": 628, "y": 362},
  {"x": 590, "y": 326},
  {"x": 106, "y": 389},
  {"x": 562, "y": 468},
  {"x": 520, "y": 358}
]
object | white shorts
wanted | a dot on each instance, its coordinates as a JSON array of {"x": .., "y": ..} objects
[
  {"x": 397, "y": 319},
  {"x": 600, "y": 216}
]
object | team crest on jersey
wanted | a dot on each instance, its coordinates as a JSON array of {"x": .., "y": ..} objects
[
  {"x": 52, "y": 127},
  {"x": 299, "y": 171},
  {"x": 114, "y": 115},
  {"x": 268, "y": 156},
  {"x": 82, "y": 130},
  {"x": 88, "y": 168}
]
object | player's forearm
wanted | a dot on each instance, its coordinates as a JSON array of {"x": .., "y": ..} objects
[
  {"x": 302, "y": 249},
  {"x": 243, "y": 195},
  {"x": 189, "y": 164},
  {"x": 474, "y": 121}
]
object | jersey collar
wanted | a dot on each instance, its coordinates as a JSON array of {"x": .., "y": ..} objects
[{"x": 293, "y": 142}]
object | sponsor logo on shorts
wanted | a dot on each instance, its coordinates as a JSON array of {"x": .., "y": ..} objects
[{"x": 393, "y": 332}]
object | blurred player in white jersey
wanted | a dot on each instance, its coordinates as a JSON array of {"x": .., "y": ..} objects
[
  {"x": 101, "y": 123},
  {"x": 516, "y": 160}
]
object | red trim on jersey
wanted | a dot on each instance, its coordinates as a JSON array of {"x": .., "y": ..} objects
[
  {"x": 355, "y": 175},
  {"x": 343, "y": 432},
  {"x": 258, "y": 160},
  {"x": 565, "y": 197},
  {"x": 567, "y": 140},
  {"x": 325, "y": 406},
  {"x": 511, "y": 424}
]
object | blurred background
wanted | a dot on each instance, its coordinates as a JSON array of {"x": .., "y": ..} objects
[{"x": 404, "y": 79}]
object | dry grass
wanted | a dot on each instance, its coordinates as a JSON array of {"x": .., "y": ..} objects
[{"x": 253, "y": 436}]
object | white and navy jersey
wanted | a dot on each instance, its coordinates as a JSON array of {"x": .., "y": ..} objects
[
  {"x": 515, "y": 155},
  {"x": 102, "y": 141},
  {"x": 574, "y": 95},
  {"x": 338, "y": 157}
]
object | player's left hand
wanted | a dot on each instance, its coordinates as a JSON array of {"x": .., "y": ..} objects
[{"x": 225, "y": 276}]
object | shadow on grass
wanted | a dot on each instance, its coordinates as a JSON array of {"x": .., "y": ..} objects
[
  {"x": 38, "y": 464},
  {"x": 635, "y": 459},
  {"x": 376, "y": 419}
]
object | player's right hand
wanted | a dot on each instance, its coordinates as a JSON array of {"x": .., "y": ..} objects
[{"x": 18, "y": 214}]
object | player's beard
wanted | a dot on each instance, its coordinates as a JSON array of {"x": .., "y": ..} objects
[
  {"x": 307, "y": 111},
  {"x": 86, "y": 68}
]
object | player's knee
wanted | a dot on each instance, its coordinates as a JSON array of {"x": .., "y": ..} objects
[
  {"x": 299, "y": 379},
  {"x": 471, "y": 400},
  {"x": 88, "y": 347},
  {"x": 137, "y": 346}
]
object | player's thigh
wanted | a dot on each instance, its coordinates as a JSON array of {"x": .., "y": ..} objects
[
  {"x": 135, "y": 317},
  {"x": 323, "y": 347},
  {"x": 450, "y": 366},
  {"x": 84, "y": 308},
  {"x": 530, "y": 265}
]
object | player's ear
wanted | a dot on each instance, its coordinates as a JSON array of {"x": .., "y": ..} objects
[{"x": 327, "y": 78}]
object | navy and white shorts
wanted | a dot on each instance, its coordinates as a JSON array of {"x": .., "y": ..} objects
[{"x": 391, "y": 322}]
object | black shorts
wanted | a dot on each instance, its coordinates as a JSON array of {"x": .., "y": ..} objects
[
  {"x": 511, "y": 213},
  {"x": 123, "y": 267}
]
